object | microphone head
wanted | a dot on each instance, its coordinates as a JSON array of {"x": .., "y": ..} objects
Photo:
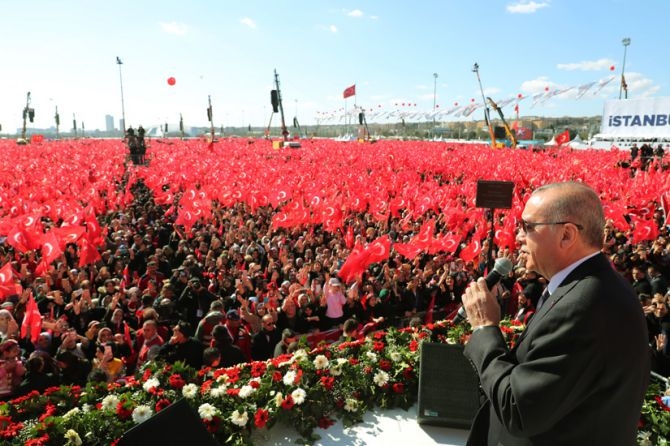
[{"x": 503, "y": 266}]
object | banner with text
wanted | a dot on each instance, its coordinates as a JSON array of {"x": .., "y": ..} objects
[{"x": 637, "y": 118}]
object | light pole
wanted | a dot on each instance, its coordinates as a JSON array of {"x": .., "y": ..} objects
[
  {"x": 123, "y": 108},
  {"x": 623, "y": 86},
  {"x": 434, "y": 94},
  {"x": 475, "y": 69}
]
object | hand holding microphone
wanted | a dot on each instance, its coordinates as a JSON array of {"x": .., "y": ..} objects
[{"x": 482, "y": 308}]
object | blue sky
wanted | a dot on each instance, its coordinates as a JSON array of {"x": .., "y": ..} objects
[{"x": 64, "y": 52}]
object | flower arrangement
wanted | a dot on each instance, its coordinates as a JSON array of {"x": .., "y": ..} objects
[{"x": 306, "y": 390}]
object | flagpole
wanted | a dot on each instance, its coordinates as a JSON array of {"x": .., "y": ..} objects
[{"x": 623, "y": 86}]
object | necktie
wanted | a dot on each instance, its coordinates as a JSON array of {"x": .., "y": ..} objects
[{"x": 543, "y": 298}]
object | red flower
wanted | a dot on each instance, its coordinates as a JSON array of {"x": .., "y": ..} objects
[
  {"x": 328, "y": 382},
  {"x": 276, "y": 376},
  {"x": 385, "y": 365},
  {"x": 413, "y": 345},
  {"x": 176, "y": 381},
  {"x": 398, "y": 388},
  {"x": 122, "y": 411},
  {"x": 378, "y": 346},
  {"x": 408, "y": 373},
  {"x": 204, "y": 388},
  {"x": 261, "y": 418},
  {"x": 212, "y": 425},
  {"x": 325, "y": 422},
  {"x": 353, "y": 361},
  {"x": 378, "y": 335},
  {"x": 49, "y": 411},
  {"x": 258, "y": 369},
  {"x": 288, "y": 403},
  {"x": 146, "y": 375},
  {"x": 162, "y": 404},
  {"x": 233, "y": 392},
  {"x": 41, "y": 441}
]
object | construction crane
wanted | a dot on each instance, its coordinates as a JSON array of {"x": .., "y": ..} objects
[{"x": 508, "y": 131}]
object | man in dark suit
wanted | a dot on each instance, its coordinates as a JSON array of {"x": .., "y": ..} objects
[{"x": 579, "y": 372}]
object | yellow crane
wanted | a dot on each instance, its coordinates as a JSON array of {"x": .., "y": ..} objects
[{"x": 508, "y": 131}]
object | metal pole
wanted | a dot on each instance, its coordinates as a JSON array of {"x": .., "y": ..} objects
[
  {"x": 475, "y": 68},
  {"x": 434, "y": 94},
  {"x": 123, "y": 108},
  {"x": 625, "y": 42},
  {"x": 26, "y": 111}
]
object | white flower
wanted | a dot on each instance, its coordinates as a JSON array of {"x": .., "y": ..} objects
[
  {"x": 72, "y": 437},
  {"x": 320, "y": 362},
  {"x": 372, "y": 356},
  {"x": 336, "y": 370},
  {"x": 451, "y": 341},
  {"x": 70, "y": 413},
  {"x": 289, "y": 378},
  {"x": 350, "y": 405},
  {"x": 246, "y": 391},
  {"x": 395, "y": 356},
  {"x": 299, "y": 355},
  {"x": 298, "y": 396},
  {"x": 150, "y": 383},
  {"x": 279, "y": 397},
  {"x": 110, "y": 402},
  {"x": 142, "y": 413},
  {"x": 189, "y": 391},
  {"x": 222, "y": 379},
  {"x": 239, "y": 419},
  {"x": 218, "y": 392},
  {"x": 86, "y": 407},
  {"x": 207, "y": 411},
  {"x": 381, "y": 378}
]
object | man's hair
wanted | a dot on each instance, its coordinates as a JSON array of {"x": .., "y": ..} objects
[
  {"x": 350, "y": 326},
  {"x": 210, "y": 354},
  {"x": 579, "y": 204}
]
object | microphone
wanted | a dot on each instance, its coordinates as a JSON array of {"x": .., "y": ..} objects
[{"x": 502, "y": 267}]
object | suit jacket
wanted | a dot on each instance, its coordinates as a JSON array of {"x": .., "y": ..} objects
[{"x": 577, "y": 375}]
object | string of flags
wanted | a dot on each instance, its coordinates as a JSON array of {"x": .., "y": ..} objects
[{"x": 409, "y": 111}]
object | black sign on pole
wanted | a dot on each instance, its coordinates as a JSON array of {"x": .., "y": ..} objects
[{"x": 494, "y": 194}]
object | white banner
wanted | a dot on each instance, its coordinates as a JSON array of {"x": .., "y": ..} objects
[{"x": 636, "y": 118}]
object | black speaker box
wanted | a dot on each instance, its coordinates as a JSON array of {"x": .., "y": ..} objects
[
  {"x": 499, "y": 132},
  {"x": 448, "y": 387},
  {"x": 176, "y": 424}
]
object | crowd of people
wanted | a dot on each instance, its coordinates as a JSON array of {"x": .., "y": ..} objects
[{"x": 236, "y": 289}]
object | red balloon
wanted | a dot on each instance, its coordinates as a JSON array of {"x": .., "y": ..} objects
[
  {"x": 546, "y": 88},
  {"x": 519, "y": 95},
  {"x": 456, "y": 104},
  {"x": 611, "y": 67},
  {"x": 172, "y": 81},
  {"x": 437, "y": 105},
  {"x": 472, "y": 99}
]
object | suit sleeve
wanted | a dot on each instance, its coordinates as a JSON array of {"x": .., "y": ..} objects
[{"x": 560, "y": 367}]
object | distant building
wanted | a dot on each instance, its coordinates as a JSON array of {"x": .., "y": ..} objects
[
  {"x": 122, "y": 125},
  {"x": 109, "y": 123}
]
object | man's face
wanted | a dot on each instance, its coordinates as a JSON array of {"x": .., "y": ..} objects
[
  {"x": 540, "y": 243},
  {"x": 660, "y": 306},
  {"x": 149, "y": 331}
]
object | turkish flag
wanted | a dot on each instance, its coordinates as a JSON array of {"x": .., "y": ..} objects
[
  {"x": 32, "y": 320},
  {"x": 563, "y": 138},
  {"x": 665, "y": 205},
  {"x": 7, "y": 285},
  {"x": 349, "y": 91}
]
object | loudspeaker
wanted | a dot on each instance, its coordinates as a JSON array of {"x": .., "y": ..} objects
[
  {"x": 274, "y": 100},
  {"x": 176, "y": 424},
  {"x": 499, "y": 132},
  {"x": 360, "y": 118},
  {"x": 448, "y": 387}
]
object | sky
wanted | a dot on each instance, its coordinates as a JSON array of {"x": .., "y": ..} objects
[{"x": 65, "y": 54}]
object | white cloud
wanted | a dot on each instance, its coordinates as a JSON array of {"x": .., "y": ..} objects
[
  {"x": 538, "y": 85},
  {"x": 332, "y": 28},
  {"x": 587, "y": 65},
  {"x": 178, "y": 29},
  {"x": 248, "y": 22},
  {"x": 525, "y": 7},
  {"x": 355, "y": 13}
]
